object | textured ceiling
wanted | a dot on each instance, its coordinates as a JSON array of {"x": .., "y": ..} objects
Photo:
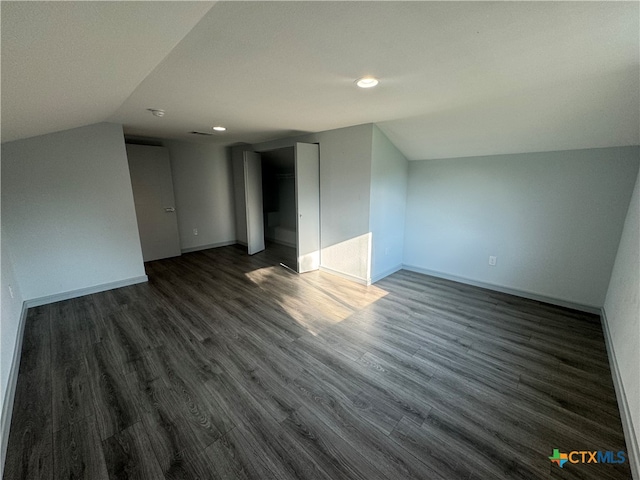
[
  {"x": 457, "y": 78},
  {"x": 69, "y": 64}
]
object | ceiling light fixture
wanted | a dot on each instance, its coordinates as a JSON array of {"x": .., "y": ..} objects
[
  {"x": 220, "y": 128},
  {"x": 156, "y": 112},
  {"x": 367, "y": 82}
]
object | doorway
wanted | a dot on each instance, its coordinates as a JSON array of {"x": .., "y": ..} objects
[
  {"x": 270, "y": 215},
  {"x": 152, "y": 187},
  {"x": 279, "y": 204}
]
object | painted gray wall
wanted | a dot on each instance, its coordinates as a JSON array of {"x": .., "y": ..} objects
[
  {"x": 9, "y": 341},
  {"x": 345, "y": 189},
  {"x": 389, "y": 175},
  {"x": 68, "y": 212},
  {"x": 203, "y": 189},
  {"x": 552, "y": 219},
  {"x": 622, "y": 309},
  {"x": 345, "y": 176}
]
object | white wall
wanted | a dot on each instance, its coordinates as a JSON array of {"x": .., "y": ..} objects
[
  {"x": 552, "y": 219},
  {"x": 68, "y": 212},
  {"x": 203, "y": 188},
  {"x": 11, "y": 311},
  {"x": 10, "y": 335},
  {"x": 622, "y": 312},
  {"x": 345, "y": 176},
  {"x": 389, "y": 174}
]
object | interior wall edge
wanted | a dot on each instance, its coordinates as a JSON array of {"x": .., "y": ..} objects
[
  {"x": 594, "y": 309},
  {"x": 58, "y": 297},
  {"x": 386, "y": 273},
  {"x": 633, "y": 448},
  {"x": 10, "y": 392}
]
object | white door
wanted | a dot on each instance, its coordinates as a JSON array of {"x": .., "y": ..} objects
[
  {"x": 307, "y": 166},
  {"x": 253, "y": 201},
  {"x": 152, "y": 186}
]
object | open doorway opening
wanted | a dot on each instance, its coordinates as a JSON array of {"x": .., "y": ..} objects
[
  {"x": 279, "y": 204},
  {"x": 252, "y": 216}
]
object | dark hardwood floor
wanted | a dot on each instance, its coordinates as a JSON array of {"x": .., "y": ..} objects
[{"x": 230, "y": 366}]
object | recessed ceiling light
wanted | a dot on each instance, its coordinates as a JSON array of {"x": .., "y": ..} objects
[
  {"x": 219, "y": 129},
  {"x": 367, "y": 82},
  {"x": 156, "y": 112}
]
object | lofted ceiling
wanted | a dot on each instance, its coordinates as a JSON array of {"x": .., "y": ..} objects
[{"x": 456, "y": 78}]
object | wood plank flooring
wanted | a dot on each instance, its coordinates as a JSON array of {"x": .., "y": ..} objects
[{"x": 230, "y": 366}]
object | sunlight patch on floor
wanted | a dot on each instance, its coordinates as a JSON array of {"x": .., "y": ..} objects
[{"x": 333, "y": 301}]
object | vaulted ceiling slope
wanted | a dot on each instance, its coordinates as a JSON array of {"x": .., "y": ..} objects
[
  {"x": 456, "y": 78},
  {"x": 69, "y": 64}
]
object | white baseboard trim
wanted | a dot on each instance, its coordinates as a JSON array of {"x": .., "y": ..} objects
[
  {"x": 244, "y": 244},
  {"x": 511, "y": 291},
  {"x": 208, "y": 246},
  {"x": 347, "y": 276},
  {"x": 58, "y": 297},
  {"x": 633, "y": 449},
  {"x": 10, "y": 392},
  {"x": 386, "y": 273}
]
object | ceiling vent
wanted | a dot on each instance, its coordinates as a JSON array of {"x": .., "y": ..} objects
[{"x": 206, "y": 134}]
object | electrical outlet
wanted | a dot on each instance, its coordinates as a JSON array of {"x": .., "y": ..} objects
[
  {"x": 492, "y": 260},
  {"x": 195, "y": 231}
]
